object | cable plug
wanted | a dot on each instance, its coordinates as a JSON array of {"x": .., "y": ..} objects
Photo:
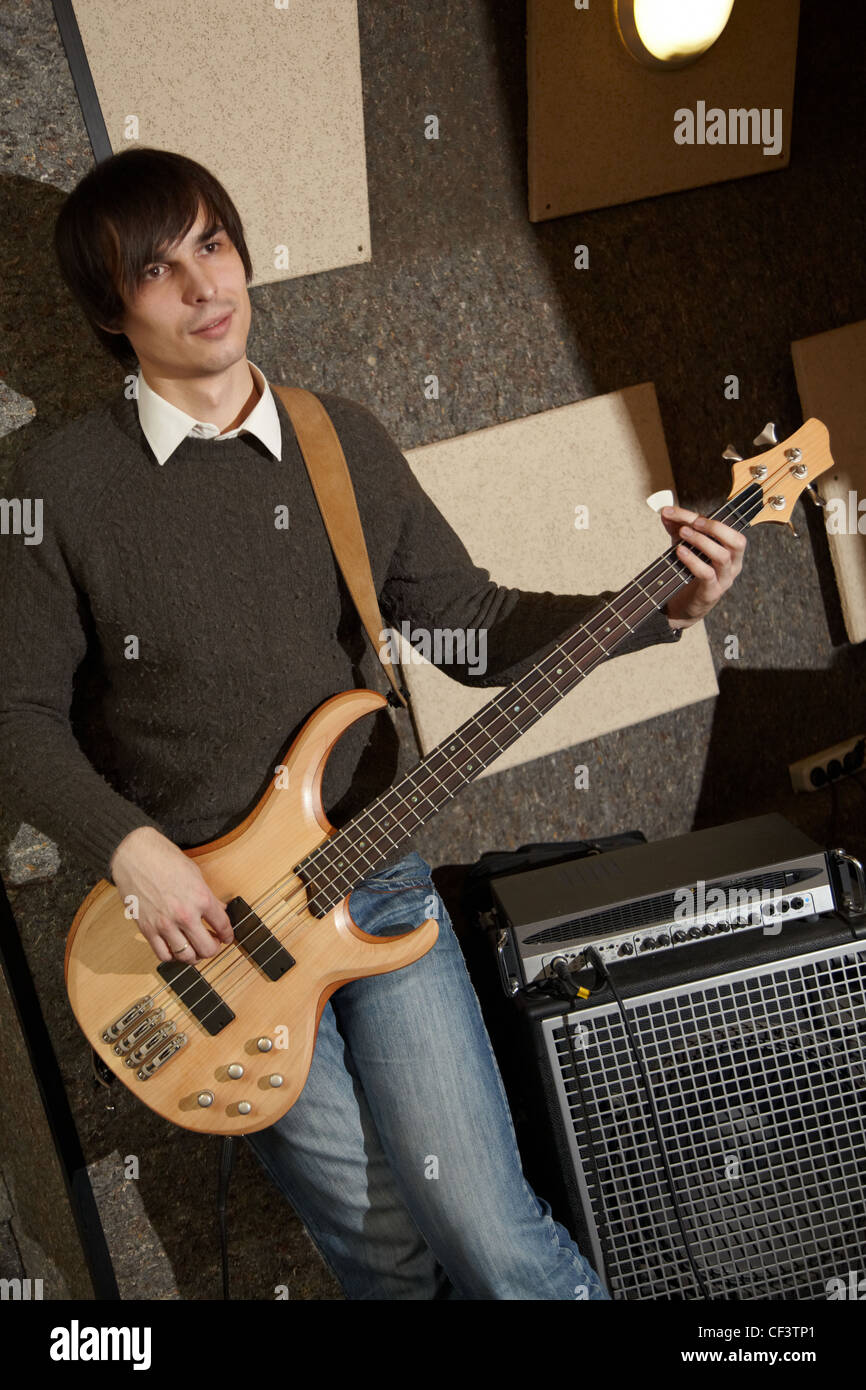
[{"x": 559, "y": 965}]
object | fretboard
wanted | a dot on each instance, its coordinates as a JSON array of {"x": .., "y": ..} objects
[{"x": 367, "y": 841}]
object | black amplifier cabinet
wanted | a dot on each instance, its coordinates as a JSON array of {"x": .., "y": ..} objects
[{"x": 754, "y": 1048}]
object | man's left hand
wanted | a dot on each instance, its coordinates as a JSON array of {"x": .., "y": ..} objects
[{"x": 723, "y": 548}]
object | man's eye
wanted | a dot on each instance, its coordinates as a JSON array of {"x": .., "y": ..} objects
[{"x": 146, "y": 273}]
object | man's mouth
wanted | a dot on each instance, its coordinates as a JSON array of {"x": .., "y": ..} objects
[{"x": 214, "y": 323}]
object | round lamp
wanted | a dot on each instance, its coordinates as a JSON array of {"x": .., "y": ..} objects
[{"x": 670, "y": 33}]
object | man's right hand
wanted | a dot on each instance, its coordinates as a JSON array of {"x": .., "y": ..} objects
[{"x": 172, "y": 897}]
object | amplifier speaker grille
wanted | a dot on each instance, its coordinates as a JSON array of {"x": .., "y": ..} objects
[{"x": 759, "y": 1079}]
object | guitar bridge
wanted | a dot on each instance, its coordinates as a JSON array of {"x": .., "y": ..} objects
[
  {"x": 147, "y": 1049},
  {"x": 139, "y": 1032},
  {"x": 171, "y": 1047},
  {"x": 122, "y": 1024}
]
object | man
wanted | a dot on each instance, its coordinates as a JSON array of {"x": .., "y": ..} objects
[{"x": 175, "y": 637}]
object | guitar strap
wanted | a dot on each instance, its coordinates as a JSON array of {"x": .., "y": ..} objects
[{"x": 326, "y": 464}]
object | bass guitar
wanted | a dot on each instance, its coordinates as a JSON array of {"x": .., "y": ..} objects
[{"x": 224, "y": 1046}]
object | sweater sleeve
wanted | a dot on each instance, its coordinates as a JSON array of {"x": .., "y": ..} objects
[
  {"x": 45, "y": 777},
  {"x": 433, "y": 583}
]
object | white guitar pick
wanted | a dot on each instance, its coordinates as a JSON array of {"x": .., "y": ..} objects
[{"x": 665, "y": 498}]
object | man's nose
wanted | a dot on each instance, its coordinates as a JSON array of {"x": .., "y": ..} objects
[{"x": 199, "y": 284}]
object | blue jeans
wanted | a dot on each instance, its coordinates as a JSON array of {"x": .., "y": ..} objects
[{"x": 400, "y": 1156}]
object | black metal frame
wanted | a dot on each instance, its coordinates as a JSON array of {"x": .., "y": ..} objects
[
  {"x": 55, "y": 1102},
  {"x": 83, "y": 79}
]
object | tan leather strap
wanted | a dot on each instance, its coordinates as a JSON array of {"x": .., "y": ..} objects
[{"x": 326, "y": 464}]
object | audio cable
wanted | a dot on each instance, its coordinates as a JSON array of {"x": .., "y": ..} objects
[
  {"x": 567, "y": 987},
  {"x": 602, "y": 972}
]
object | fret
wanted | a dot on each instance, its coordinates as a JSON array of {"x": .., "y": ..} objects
[{"x": 334, "y": 868}]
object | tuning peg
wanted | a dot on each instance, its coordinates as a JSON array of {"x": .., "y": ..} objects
[
  {"x": 731, "y": 454},
  {"x": 767, "y": 435},
  {"x": 810, "y": 489}
]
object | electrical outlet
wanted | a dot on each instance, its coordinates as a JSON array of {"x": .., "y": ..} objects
[{"x": 811, "y": 774}]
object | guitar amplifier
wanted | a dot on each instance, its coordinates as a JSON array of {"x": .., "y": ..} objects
[
  {"x": 750, "y": 877},
  {"x": 701, "y": 1129}
]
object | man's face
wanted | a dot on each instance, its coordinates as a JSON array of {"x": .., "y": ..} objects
[{"x": 198, "y": 280}]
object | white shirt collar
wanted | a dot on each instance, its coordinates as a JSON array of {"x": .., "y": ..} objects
[{"x": 165, "y": 425}]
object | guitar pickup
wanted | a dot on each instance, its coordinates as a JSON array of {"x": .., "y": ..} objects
[
  {"x": 194, "y": 992},
  {"x": 257, "y": 941}
]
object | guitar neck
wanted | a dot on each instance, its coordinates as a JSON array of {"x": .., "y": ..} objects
[{"x": 370, "y": 839}]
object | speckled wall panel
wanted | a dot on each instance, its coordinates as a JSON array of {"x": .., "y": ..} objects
[
  {"x": 601, "y": 125},
  {"x": 831, "y": 377},
  {"x": 268, "y": 98},
  {"x": 510, "y": 492}
]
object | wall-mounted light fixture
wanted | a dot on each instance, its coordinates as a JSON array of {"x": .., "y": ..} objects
[
  {"x": 605, "y": 129},
  {"x": 670, "y": 33}
]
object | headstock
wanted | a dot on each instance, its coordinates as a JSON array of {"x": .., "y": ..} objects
[{"x": 784, "y": 471}]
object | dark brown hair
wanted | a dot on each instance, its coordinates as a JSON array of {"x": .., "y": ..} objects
[{"x": 130, "y": 208}]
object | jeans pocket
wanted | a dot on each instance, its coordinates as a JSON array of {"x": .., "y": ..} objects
[
  {"x": 409, "y": 872},
  {"x": 396, "y": 899}
]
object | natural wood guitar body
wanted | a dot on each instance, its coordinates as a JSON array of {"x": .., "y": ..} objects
[{"x": 110, "y": 966}]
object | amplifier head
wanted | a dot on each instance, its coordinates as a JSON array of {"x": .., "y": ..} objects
[{"x": 755, "y": 876}]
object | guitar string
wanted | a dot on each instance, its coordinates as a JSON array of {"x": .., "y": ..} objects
[
  {"x": 230, "y": 968},
  {"x": 647, "y": 575},
  {"x": 666, "y": 561},
  {"x": 574, "y": 657}
]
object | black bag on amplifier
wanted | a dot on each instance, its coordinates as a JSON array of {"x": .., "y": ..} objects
[{"x": 496, "y": 863}]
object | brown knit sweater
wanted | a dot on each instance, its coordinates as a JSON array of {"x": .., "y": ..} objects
[{"x": 242, "y": 628}]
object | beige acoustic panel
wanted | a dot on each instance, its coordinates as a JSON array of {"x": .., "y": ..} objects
[
  {"x": 831, "y": 377},
  {"x": 269, "y": 99},
  {"x": 510, "y": 492},
  {"x": 601, "y": 125}
]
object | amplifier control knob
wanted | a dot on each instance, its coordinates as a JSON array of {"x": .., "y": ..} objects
[
  {"x": 709, "y": 928},
  {"x": 626, "y": 949},
  {"x": 723, "y": 926},
  {"x": 695, "y": 932},
  {"x": 647, "y": 944},
  {"x": 679, "y": 937}
]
